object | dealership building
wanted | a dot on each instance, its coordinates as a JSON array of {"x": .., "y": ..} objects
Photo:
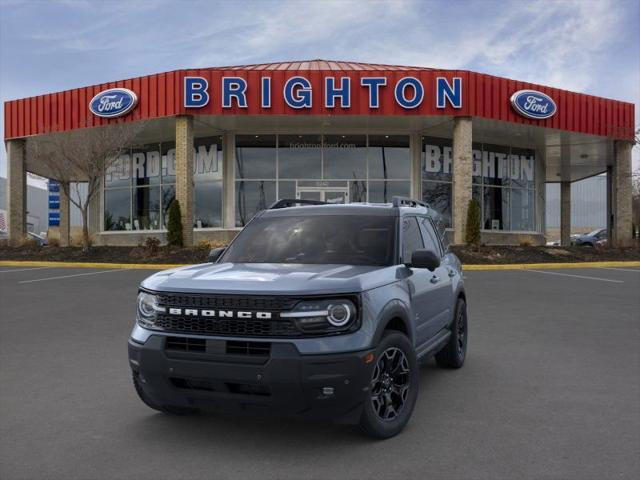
[{"x": 229, "y": 141}]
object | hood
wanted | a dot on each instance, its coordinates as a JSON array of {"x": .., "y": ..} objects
[{"x": 271, "y": 278}]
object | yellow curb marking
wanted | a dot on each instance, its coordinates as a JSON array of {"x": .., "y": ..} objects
[
  {"x": 132, "y": 266},
  {"x": 164, "y": 266}
]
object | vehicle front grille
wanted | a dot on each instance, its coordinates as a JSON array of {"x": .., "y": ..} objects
[
  {"x": 231, "y": 302},
  {"x": 239, "y": 327},
  {"x": 228, "y": 326}
]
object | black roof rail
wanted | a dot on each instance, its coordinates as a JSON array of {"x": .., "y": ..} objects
[
  {"x": 407, "y": 202},
  {"x": 290, "y": 202}
]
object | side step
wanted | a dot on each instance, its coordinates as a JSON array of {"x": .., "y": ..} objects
[{"x": 434, "y": 345}]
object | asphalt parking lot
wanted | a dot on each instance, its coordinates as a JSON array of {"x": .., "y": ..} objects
[{"x": 551, "y": 389}]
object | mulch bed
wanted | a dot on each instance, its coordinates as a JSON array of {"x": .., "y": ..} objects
[
  {"x": 106, "y": 254},
  {"x": 486, "y": 255},
  {"x": 468, "y": 255}
]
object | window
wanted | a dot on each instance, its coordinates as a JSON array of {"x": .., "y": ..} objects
[
  {"x": 268, "y": 167},
  {"x": 140, "y": 186},
  {"x": 429, "y": 236},
  {"x": 411, "y": 238},
  {"x": 503, "y": 183},
  {"x": 363, "y": 240},
  {"x": 299, "y": 156},
  {"x": 344, "y": 157}
]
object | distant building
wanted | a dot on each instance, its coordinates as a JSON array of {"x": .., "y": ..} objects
[{"x": 37, "y": 207}]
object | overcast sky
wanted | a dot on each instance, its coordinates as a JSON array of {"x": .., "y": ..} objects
[{"x": 581, "y": 45}]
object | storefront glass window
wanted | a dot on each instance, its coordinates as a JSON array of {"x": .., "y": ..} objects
[
  {"x": 503, "y": 183},
  {"x": 146, "y": 208},
  {"x": 255, "y": 156},
  {"x": 251, "y": 197},
  {"x": 117, "y": 209},
  {"x": 300, "y": 156},
  {"x": 389, "y": 157},
  {"x": 345, "y": 157},
  {"x": 496, "y": 208},
  {"x": 149, "y": 172},
  {"x": 438, "y": 196},
  {"x": 381, "y": 191}
]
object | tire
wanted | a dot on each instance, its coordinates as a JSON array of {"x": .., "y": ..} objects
[
  {"x": 391, "y": 396},
  {"x": 171, "y": 410},
  {"x": 455, "y": 351}
]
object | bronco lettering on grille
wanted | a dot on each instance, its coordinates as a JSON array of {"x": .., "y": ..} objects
[{"x": 194, "y": 312}]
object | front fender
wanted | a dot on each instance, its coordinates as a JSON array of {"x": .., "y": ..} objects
[{"x": 397, "y": 313}]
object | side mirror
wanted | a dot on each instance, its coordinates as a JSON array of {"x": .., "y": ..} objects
[
  {"x": 425, "y": 259},
  {"x": 214, "y": 254}
]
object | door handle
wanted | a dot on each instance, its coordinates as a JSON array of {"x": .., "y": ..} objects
[{"x": 435, "y": 279}]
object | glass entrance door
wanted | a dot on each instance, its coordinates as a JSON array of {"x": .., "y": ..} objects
[{"x": 324, "y": 194}]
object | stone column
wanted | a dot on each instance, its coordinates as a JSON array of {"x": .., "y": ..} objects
[
  {"x": 184, "y": 174},
  {"x": 416, "y": 165},
  {"x": 65, "y": 216},
  {"x": 16, "y": 191},
  {"x": 462, "y": 175},
  {"x": 621, "y": 235},
  {"x": 565, "y": 213},
  {"x": 228, "y": 181}
]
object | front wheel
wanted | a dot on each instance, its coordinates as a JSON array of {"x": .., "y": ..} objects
[{"x": 393, "y": 389}]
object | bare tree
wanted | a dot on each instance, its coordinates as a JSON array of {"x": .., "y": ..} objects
[{"x": 82, "y": 156}]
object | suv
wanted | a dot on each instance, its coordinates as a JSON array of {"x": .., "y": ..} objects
[{"x": 313, "y": 309}]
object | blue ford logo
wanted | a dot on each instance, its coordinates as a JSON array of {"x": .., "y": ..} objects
[
  {"x": 114, "y": 102},
  {"x": 533, "y": 104}
]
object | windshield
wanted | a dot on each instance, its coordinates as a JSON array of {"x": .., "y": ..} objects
[
  {"x": 322, "y": 239},
  {"x": 594, "y": 233}
]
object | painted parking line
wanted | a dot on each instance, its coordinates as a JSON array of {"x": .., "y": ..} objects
[
  {"x": 575, "y": 276},
  {"x": 68, "y": 276},
  {"x": 636, "y": 270},
  {"x": 23, "y": 269}
]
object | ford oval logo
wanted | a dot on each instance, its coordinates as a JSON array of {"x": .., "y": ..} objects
[
  {"x": 533, "y": 104},
  {"x": 114, "y": 102}
]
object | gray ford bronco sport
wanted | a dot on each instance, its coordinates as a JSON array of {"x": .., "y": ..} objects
[{"x": 320, "y": 310}]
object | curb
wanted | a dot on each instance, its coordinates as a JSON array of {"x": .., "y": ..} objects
[
  {"x": 164, "y": 266},
  {"x": 131, "y": 266},
  {"x": 550, "y": 266}
]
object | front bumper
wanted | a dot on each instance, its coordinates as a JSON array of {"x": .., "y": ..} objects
[{"x": 282, "y": 381}]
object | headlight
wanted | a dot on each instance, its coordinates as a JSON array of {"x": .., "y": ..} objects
[
  {"x": 324, "y": 316},
  {"x": 148, "y": 309}
]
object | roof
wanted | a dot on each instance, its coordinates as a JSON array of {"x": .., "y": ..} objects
[
  {"x": 162, "y": 95},
  {"x": 320, "y": 64}
]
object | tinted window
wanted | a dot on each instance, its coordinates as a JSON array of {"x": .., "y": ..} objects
[
  {"x": 429, "y": 236},
  {"x": 411, "y": 238},
  {"x": 319, "y": 239}
]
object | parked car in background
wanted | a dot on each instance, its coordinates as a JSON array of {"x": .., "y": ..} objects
[{"x": 591, "y": 239}]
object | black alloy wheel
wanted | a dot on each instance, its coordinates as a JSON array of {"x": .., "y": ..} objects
[{"x": 390, "y": 384}]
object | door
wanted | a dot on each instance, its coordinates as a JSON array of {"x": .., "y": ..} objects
[
  {"x": 324, "y": 194},
  {"x": 442, "y": 296},
  {"x": 421, "y": 284}
]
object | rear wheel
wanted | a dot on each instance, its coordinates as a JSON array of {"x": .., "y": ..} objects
[
  {"x": 455, "y": 351},
  {"x": 393, "y": 389},
  {"x": 161, "y": 408}
]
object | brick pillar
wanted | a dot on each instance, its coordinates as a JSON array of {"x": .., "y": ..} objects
[
  {"x": 65, "y": 216},
  {"x": 16, "y": 191},
  {"x": 565, "y": 213},
  {"x": 621, "y": 185},
  {"x": 184, "y": 174},
  {"x": 228, "y": 180},
  {"x": 416, "y": 166},
  {"x": 462, "y": 174}
]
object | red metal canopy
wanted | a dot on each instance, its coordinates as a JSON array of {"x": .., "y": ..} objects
[{"x": 161, "y": 95}]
